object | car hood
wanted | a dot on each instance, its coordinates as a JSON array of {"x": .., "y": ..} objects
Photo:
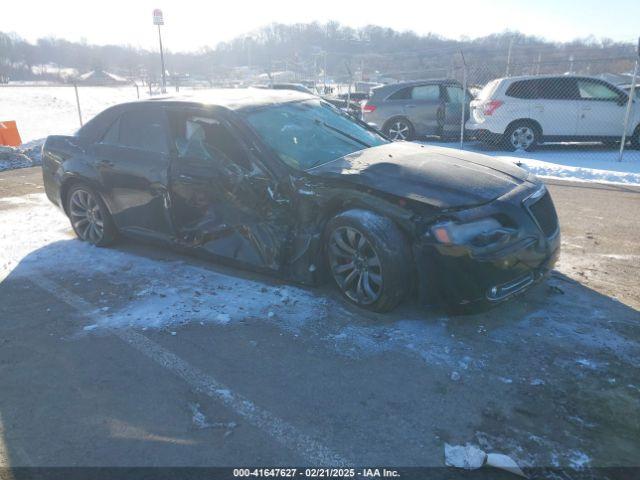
[{"x": 442, "y": 177}]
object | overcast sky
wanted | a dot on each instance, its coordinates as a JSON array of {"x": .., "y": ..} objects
[{"x": 192, "y": 24}]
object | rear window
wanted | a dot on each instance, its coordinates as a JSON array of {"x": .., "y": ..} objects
[
  {"x": 426, "y": 92},
  {"x": 523, "y": 89},
  {"x": 488, "y": 90},
  {"x": 558, "y": 88},
  {"x": 402, "y": 94},
  {"x": 143, "y": 129}
]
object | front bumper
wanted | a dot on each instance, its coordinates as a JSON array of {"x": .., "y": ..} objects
[
  {"x": 460, "y": 275},
  {"x": 486, "y": 136}
]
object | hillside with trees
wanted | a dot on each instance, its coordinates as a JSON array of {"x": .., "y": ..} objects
[{"x": 315, "y": 50}]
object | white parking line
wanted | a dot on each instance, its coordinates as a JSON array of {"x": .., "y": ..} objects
[{"x": 285, "y": 433}]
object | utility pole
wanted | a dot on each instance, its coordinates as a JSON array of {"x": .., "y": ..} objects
[
  {"x": 571, "y": 64},
  {"x": 247, "y": 42},
  {"x": 464, "y": 99},
  {"x": 630, "y": 101},
  {"x": 325, "y": 73},
  {"x": 159, "y": 20},
  {"x": 506, "y": 74},
  {"x": 538, "y": 64}
]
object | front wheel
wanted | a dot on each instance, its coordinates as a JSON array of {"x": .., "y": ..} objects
[
  {"x": 521, "y": 136},
  {"x": 90, "y": 219},
  {"x": 369, "y": 259}
]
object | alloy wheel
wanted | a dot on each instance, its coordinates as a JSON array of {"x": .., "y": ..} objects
[
  {"x": 399, "y": 130},
  {"x": 86, "y": 216},
  {"x": 355, "y": 265},
  {"x": 522, "y": 137}
]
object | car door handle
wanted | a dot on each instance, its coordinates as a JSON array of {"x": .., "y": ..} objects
[
  {"x": 106, "y": 163},
  {"x": 186, "y": 178},
  {"x": 540, "y": 108},
  {"x": 586, "y": 108},
  {"x": 411, "y": 106}
]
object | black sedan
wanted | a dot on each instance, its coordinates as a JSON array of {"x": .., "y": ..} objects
[{"x": 284, "y": 182}]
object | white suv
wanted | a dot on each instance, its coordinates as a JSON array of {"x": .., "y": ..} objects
[{"x": 521, "y": 112}]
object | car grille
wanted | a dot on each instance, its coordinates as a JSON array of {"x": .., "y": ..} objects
[{"x": 544, "y": 213}]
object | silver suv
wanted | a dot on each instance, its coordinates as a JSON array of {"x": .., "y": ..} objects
[{"x": 405, "y": 111}]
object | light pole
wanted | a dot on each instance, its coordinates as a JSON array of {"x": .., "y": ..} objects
[
  {"x": 506, "y": 73},
  {"x": 630, "y": 101},
  {"x": 159, "y": 20}
]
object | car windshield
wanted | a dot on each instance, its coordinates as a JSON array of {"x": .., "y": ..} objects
[{"x": 310, "y": 133}]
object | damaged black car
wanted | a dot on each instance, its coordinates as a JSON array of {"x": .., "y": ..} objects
[{"x": 284, "y": 182}]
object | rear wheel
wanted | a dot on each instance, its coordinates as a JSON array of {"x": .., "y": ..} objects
[
  {"x": 369, "y": 259},
  {"x": 399, "y": 129},
  {"x": 90, "y": 219},
  {"x": 521, "y": 136}
]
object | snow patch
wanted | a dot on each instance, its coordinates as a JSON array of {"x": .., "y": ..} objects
[
  {"x": 574, "y": 162},
  {"x": 162, "y": 293},
  {"x": 579, "y": 460}
]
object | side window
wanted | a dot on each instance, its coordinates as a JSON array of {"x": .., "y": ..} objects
[
  {"x": 426, "y": 92},
  {"x": 525, "y": 89},
  {"x": 143, "y": 129},
  {"x": 558, "y": 89},
  {"x": 112, "y": 135},
  {"x": 592, "y": 90},
  {"x": 455, "y": 94},
  {"x": 402, "y": 94},
  {"x": 202, "y": 136}
]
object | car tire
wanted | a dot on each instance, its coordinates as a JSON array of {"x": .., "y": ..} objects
[
  {"x": 399, "y": 128},
  {"x": 521, "y": 136},
  {"x": 90, "y": 219},
  {"x": 369, "y": 259}
]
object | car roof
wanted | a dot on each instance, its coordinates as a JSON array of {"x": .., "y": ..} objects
[
  {"x": 233, "y": 98},
  {"x": 414, "y": 83},
  {"x": 558, "y": 75}
]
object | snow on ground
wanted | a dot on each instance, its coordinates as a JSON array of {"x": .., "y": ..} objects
[
  {"x": 576, "y": 162},
  {"x": 42, "y": 111},
  {"x": 166, "y": 293},
  {"x": 162, "y": 293}
]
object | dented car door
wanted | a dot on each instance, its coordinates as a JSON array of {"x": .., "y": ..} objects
[{"x": 221, "y": 200}]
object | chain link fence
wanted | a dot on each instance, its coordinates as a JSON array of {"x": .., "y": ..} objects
[
  {"x": 580, "y": 113},
  {"x": 568, "y": 112}
]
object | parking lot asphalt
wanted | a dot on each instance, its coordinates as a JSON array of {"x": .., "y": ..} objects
[{"x": 136, "y": 356}]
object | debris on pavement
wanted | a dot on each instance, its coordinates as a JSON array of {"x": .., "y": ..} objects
[
  {"x": 504, "y": 462},
  {"x": 27, "y": 155},
  {"x": 201, "y": 422},
  {"x": 470, "y": 457},
  {"x": 467, "y": 457}
]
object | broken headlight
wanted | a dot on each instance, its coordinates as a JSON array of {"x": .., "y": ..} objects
[{"x": 480, "y": 233}]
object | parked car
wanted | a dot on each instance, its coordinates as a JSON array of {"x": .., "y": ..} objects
[
  {"x": 355, "y": 96},
  {"x": 522, "y": 112},
  {"x": 405, "y": 111},
  {"x": 298, "y": 87},
  {"x": 283, "y": 182},
  {"x": 352, "y": 107}
]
